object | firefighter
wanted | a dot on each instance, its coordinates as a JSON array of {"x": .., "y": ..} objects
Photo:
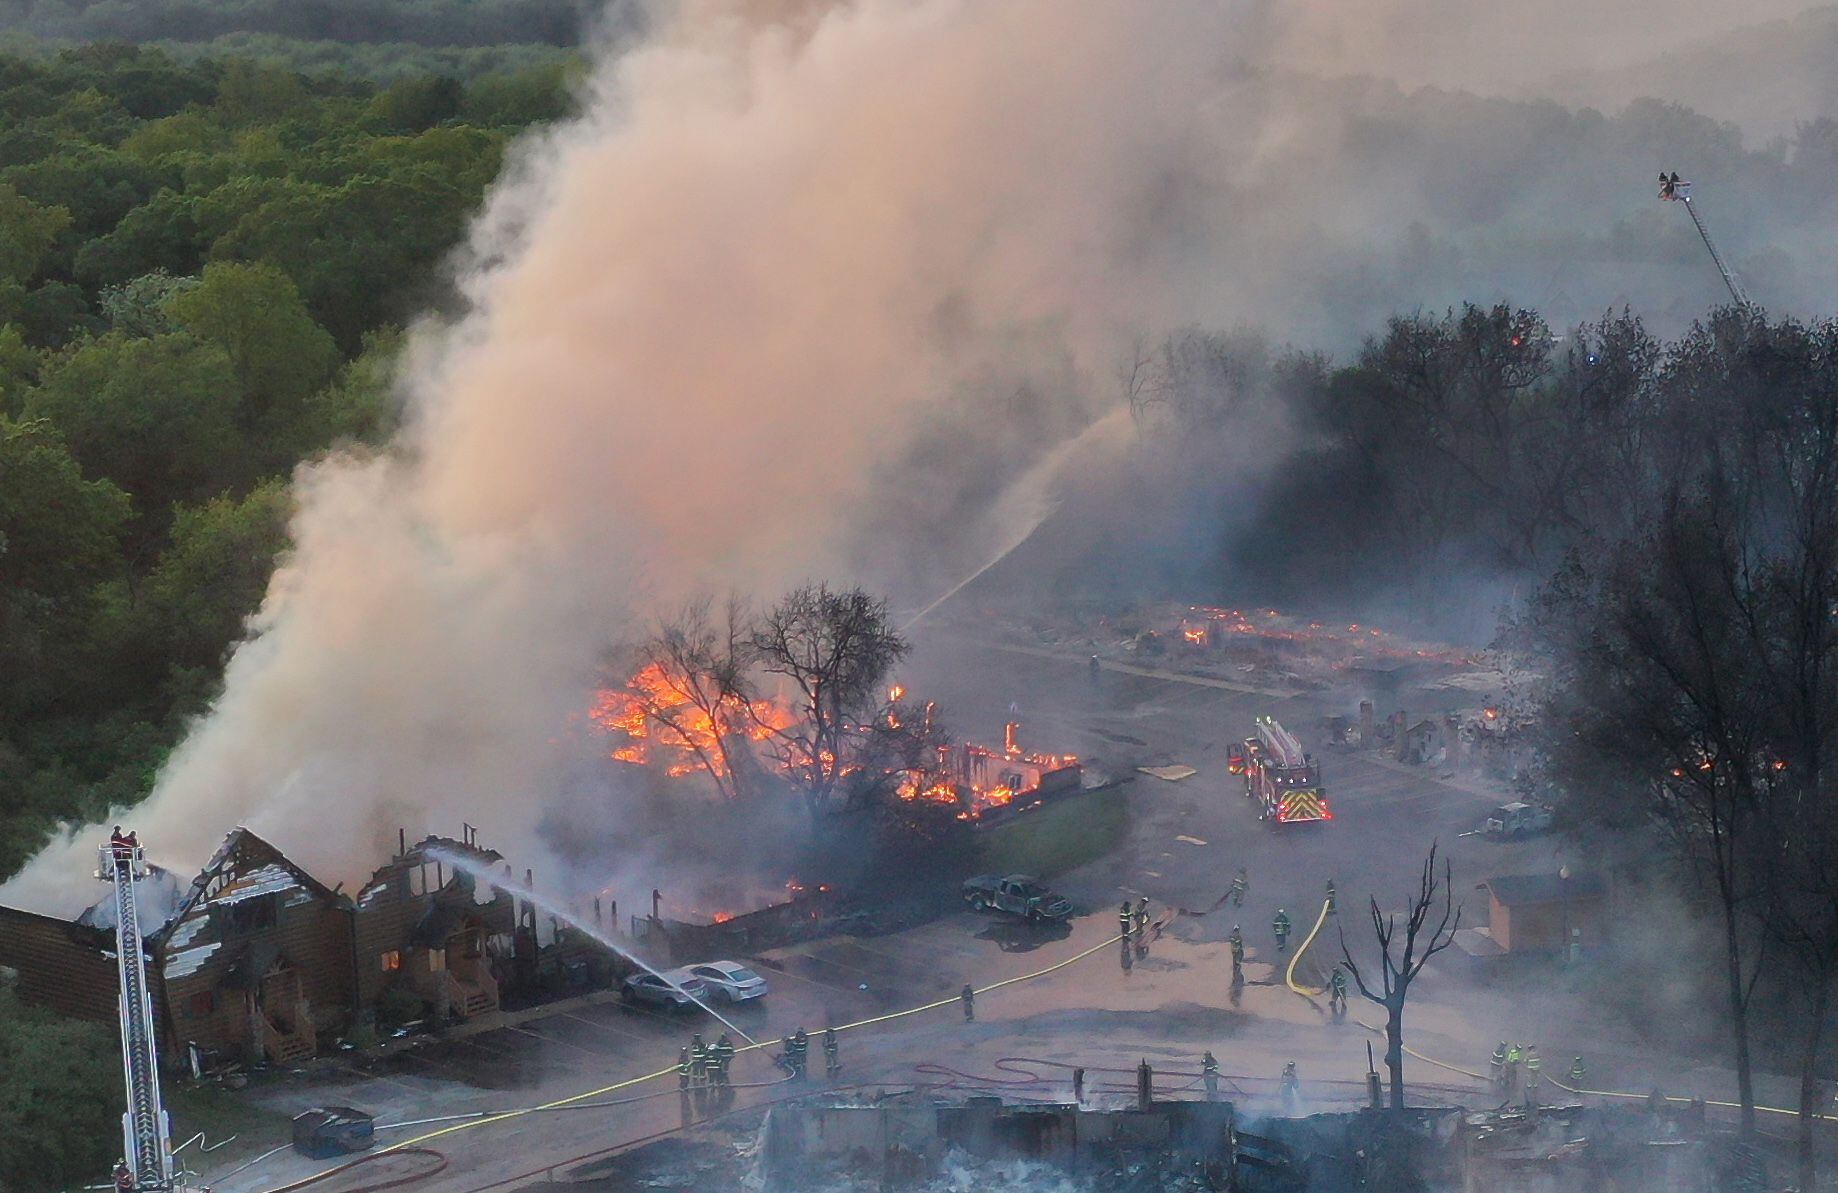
[
  {"x": 1240, "y": 881},
  {"x": 1142, "y": 916},
  {"x": 1578, "y": 1074},
  {"x": 1532, "y": 1066},
  {"x": 1333, "y": 905},
  {"x": 1209, "y": 1072},
  {"x": 720, "y": 1056},
  {"x": 801, "y": 1047},
  {"x": 1280, "y": 926},
  {"x": 1514, "y": 1055},
  {"x": 1496, "y": 1066},
  {"x": 682, "y": 1068},
  {"x": 124, "y": 1177},
  {"x": 1123, "y": 919},
  {"x": 1337, "y": 989},
  {"x": 698, "y": 1061},
  {"x": 967, "y": 996},
  {"x": 1237, "y": 940},
  {"x": 1078, "y": 1085},
  {"x": 832, "y": 1064}
]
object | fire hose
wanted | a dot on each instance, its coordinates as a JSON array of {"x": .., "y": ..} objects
[
  {"x": 1289, "y": 975},
  {"x": 1289, "y": 980},
  {"x": 573, "y": 1100},
  {"x": 439, "y": 1166}
]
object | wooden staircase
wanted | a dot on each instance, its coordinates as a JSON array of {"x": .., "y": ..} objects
[
  {"x": 474, "y": 990},
  {"x": 287, "y": 1047},
  {"x": 470, "y": 1000}
]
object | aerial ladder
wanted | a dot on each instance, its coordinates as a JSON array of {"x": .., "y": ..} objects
[
  {"x": 146, "y": 1133},
  {"x": 1674, "y": 189},
  {"x": 1280, "y": 744}
]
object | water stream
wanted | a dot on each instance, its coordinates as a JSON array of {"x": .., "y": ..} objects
[
  {"x": 510, "y": 886},
  {"x": 1031, "y": 500}
]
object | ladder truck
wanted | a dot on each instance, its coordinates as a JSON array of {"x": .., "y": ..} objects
[
  {"x": 1673, "y": 189},
  {"x": 1280, "y": 775},
  {"x": 146, "y": 1133}
]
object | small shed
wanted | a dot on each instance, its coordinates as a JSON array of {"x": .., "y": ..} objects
[
  {"x": 1530, "y": 913},
  {"x": 1424, "y": 742}
]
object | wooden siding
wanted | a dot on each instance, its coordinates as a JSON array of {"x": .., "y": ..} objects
[
  {"x": 299, "y": 930},
  {"x": 62, "y": 966},
  {"x": 397, "y": 898}
]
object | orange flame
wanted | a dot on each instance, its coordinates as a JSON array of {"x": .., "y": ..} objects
[{"x": 661, "y": 724}]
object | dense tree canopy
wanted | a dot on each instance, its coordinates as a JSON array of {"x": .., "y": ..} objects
[
  {"x": 202, "y": 269},
  {"x": 60, "y": 1099}
]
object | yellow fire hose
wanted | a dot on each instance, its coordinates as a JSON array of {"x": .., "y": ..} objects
[
  {"x": 665, "y": 1072},
  {"x": 1289, "y": 975},
  {"x": 1290, "y": 981}
]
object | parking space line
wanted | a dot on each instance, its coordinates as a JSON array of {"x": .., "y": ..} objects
[{"x": 596, "y": 1053}]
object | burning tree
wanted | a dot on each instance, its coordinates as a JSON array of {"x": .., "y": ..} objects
[
  {"x": 834, "y": 650},
  {"x": 1396, "y": 974},
  {"x": 692, "y": 696}
]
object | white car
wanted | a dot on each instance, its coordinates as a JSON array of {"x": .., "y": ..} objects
[
  {"x": 727, "y": 979},
  {"x": 675, "y": 990}
]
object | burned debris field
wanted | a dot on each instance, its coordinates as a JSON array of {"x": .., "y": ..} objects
[{"x": 916, "y": 594}]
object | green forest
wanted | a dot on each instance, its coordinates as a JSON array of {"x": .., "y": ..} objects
[
  {"x": 384, "y": 42},
  {"x": 204, "y": 268}
]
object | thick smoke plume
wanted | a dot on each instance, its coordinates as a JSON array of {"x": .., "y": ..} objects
[
  {"x": 711, "y": 328},
  {"x": 796, "y": 297}
]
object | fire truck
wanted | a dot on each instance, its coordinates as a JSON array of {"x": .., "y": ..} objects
[{"x": 1285, "y": 781}]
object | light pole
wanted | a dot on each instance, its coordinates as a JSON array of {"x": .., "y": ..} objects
[{"x": 1563, "y": 879}]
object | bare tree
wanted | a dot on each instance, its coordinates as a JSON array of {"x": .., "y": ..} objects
[
  {"x": 1395, "y": 974},
  {"x": 693, "y": 689},
  {"x": 1801, "y": 914},
  {"x": 1198, "y": 380},
  {"x": 835, "y": 651},
  {"x": 1700, "y": 664}
]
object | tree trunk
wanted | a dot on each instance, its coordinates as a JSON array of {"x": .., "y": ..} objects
[
  {"x": 1739, "y": 1021},
  {"x": 1394, "y": 1051},
  {"x": 1812, "y": 1097}
]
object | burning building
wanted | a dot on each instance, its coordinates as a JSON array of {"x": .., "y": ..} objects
[
  {"x": 983, "y": 781},
  {"x": 257, "y": 961},
  {"x": 253, "y": 960},
  {"x": 427, "y": 929}
]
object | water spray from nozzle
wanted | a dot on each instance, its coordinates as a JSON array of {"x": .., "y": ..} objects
[
  {"x": 512, "y": 887},
  {"x": 1030, "y": 501}
]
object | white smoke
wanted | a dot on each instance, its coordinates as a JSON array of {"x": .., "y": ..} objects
[
  {"x": 760, "y": 315},
  {"x": 707, "y": 323}
]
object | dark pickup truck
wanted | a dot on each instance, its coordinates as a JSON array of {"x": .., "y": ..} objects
[{"x": 1017, "y": 894}]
